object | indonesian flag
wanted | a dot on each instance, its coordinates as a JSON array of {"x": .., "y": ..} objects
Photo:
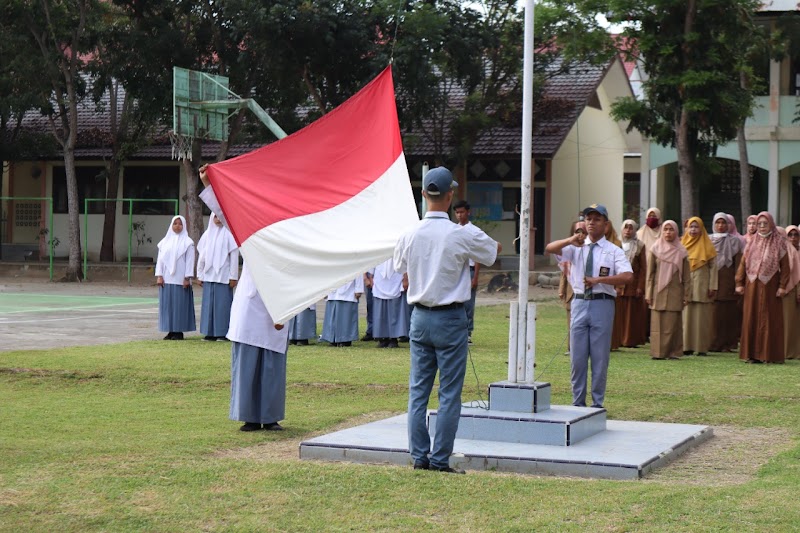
[{"x": 323, "y": 205}]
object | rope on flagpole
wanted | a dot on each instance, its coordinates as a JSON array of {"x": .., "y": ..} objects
[{"x": 396, "y": 27}]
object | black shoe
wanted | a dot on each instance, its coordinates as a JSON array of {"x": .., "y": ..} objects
[
  {"x": 177, "y": 336},
  {"x": 383, "y": 343},
  {"x": 169, "y": 337},
  {"x": 250, "y": 426},
  {"x": 292, "y": 342},
  {"x": 273, "y": 427},
  {"x": 688, "y": 352},
  {"x": 209, "y": 338},
  {"x": 302, "y": 342},
  {"x": 392, "y": 344},
  {"x": 702, "y": 354},
  {"x": 348, "y": 343},
  {"x": 421, "y": 465},
  {"x": 597, "y": 406},
  {"x": 368, "y": 337},
  {"x": 403, "y": 339},
  {"x": 447, "y": 469}
]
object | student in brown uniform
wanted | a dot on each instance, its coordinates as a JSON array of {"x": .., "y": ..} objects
[
  {"x": 666, "y": 292},
  {"x": 697, "y": 316},
  {"x": 727, "y": 308},
  {"x": 565, "y": 292},
  {"x": 616, "y": 332},
  {"x": 762, "y": 278},
  {"x": 631, "y": 309},
  {"x": 791, "y": 301}
]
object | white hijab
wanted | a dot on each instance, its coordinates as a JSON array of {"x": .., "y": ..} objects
[
  {"x": 726, "y": 244},
  {"x": 174, "y": 245},
  {"x": 215, "y": 245}
]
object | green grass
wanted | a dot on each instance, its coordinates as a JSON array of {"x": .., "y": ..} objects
[{"x": 136, "y": 437}]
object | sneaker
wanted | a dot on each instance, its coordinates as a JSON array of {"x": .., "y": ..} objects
[
  {"x": 250, "y": 426},
  {"x": 469, "y": 340},
  {"x": 421, "y": 465}
]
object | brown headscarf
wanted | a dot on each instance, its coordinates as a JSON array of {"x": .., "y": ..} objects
[
  {"x": 732, "y": 228},
  {"x": 648, "y": 235},
  {"x": 764, "y": 253},
  {"x": 794, "y": 261},
  {"x": 700, "y": 249},
  {"x": 670, "y": 255}
]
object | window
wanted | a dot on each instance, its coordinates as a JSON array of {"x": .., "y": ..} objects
[
  {"x": 151, "y": 183},
  {"x": 91, "y": 184}
]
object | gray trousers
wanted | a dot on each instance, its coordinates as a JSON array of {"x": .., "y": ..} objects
[{"x": 590, "y": 340}]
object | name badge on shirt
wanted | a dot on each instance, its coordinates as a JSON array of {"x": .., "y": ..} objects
[{"x": 604, "y": 271}]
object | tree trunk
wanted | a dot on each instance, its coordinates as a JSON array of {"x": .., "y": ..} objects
[
  {"x": 683, "y": 146},
  {"x": 110, "y": 217},
  {"x": 194, "y": 206},
  {"x": 744, "y": 172},
  {"x": 74, "y": 271}
]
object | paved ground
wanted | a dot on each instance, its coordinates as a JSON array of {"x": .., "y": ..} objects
[{"x": 38, "y": 314}]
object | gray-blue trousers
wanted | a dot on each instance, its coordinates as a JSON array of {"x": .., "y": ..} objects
[{"x": 590, "y": 340}]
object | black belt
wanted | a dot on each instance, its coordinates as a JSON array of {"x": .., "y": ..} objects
[
  {"x": 598, "y": 296},
  {"x": 454, "y": 305}
]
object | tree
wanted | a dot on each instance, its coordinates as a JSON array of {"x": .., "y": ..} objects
[{"x": 64, "y": 34}]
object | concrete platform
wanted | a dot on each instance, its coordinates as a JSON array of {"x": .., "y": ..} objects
[{"x": 626, "y": 450}]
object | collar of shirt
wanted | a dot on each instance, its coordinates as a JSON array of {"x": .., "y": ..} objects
[
  {"x": 601, "y": 242},
  {"x": 437, "y": 214}
]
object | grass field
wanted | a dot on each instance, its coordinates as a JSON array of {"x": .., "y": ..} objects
[{"x": 135, "y": 436}]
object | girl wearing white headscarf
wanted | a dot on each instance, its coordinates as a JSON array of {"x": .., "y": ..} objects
[
  {"x": 727, "y": 314},
  {"x": 667, "y": 292},
  {"x": 174, "y": 272},
  {"x": 218, "y": 272},
  {"x": 389, "y": 321},
  {"x": 631, "y": 309},
  {"x": 258, "y": 349}
]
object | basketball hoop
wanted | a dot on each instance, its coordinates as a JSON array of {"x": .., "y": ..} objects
[{"x": 181, "y": 146}]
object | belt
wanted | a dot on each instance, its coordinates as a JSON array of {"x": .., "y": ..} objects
[
  {"x": 598, "y": 296},
  {"x": 454, "y": 305}
]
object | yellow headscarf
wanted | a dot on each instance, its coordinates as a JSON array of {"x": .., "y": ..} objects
[{"x": 701, "y": 249}]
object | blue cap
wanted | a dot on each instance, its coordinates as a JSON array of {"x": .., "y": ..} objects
[
  {"x": 596, "y": 208},
  {"x": 437, "y": 181}
]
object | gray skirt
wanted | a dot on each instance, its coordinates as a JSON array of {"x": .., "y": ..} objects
[
  {"x": 390, "y": 320},
  {"x": 215, "y": 313},
  {"x": 303, "y": 326},
  {"x": 341, "y": 321},
  {"x": 176, "y": 308},
  {"x": 258, "y": 384}
]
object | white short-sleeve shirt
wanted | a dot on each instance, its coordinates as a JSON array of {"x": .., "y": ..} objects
[{"x": 608, "y": 260}]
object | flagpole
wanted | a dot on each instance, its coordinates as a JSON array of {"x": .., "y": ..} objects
[{"x": 525, "y": 354}]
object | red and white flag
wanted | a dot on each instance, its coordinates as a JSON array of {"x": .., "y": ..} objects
[{"x": 323, "y": 205}]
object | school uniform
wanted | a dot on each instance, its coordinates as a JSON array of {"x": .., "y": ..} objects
[
  {"x": 389, "y": 321},
  {"x": 175, "y": 263},
  {"x": 258, "y": 351},
  {"x": 303, "y": 326},
  {"x": 340, "y": 325},
  {"x": 217, "y": 265},
  {"x": 592, "y": 315}
]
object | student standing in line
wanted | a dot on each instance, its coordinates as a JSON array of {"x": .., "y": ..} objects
[
  {"x": 698, "y": 317},
  {"x": 630, "y": 297},
  {"x": 258, "y": 349},
  {"x": 727, "y": 309},
  {"x": 762, "y": 278},
  {"x": 462, "y": 212},
  {"x": 666, "y": 293},
  {"x": 389, "y": 322},
  {"x": 218, "y": 273},
  {"x": 340, "y": 326},
  {"x": 303, "y": 326},
  {"x": 791, "y": 300},
  {"x": 174, "y": 272}
]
